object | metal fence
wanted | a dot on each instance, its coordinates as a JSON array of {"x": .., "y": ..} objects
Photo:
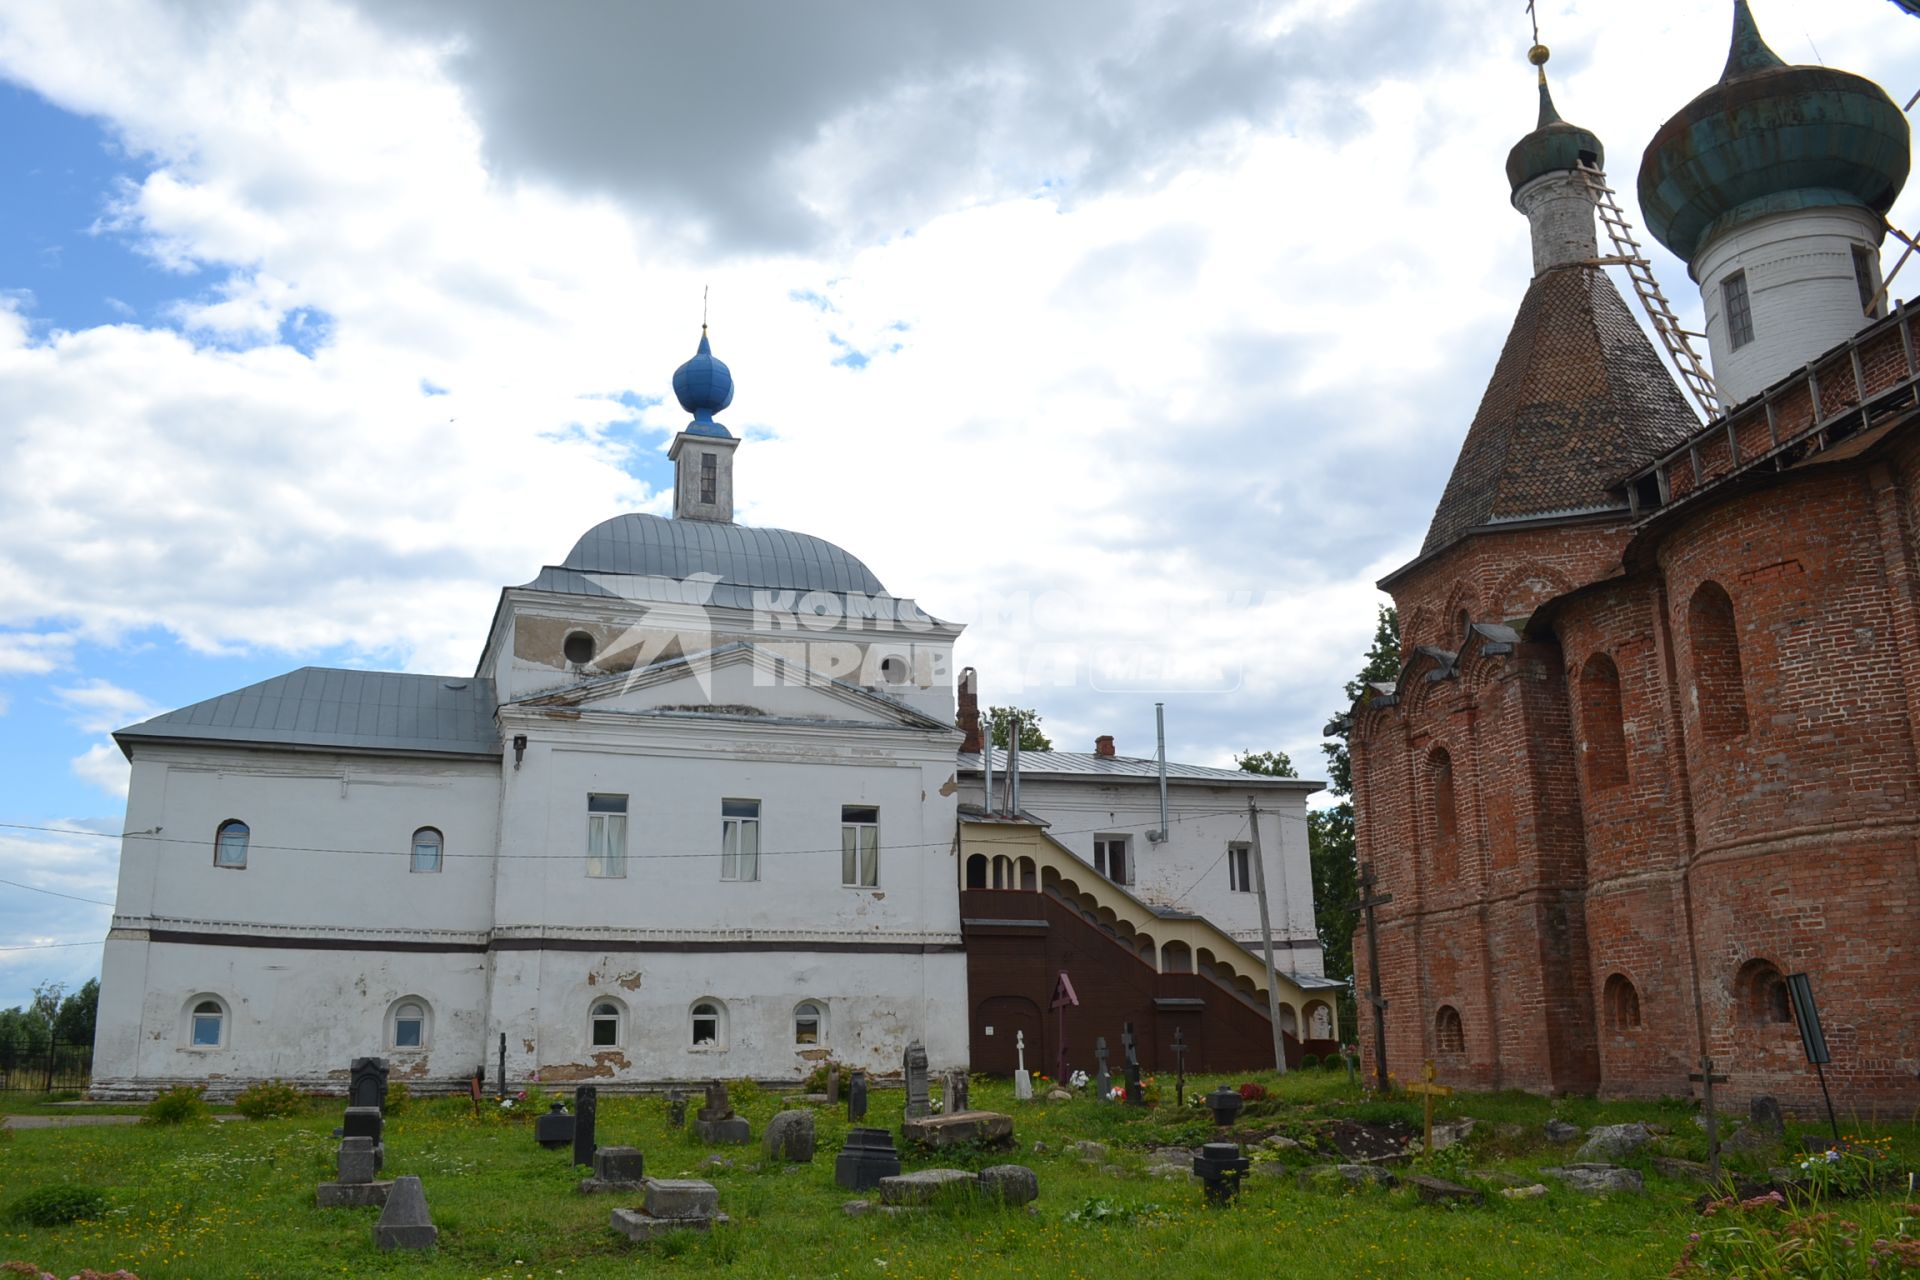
[{"x": 38, "y": 1064}]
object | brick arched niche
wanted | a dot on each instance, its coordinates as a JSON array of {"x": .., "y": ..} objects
[
  {"x": 1621, "y": 1001},
  {"x": 1603, "y": 736},
  {"x": 1443, "y": 812},
  {"x": 1713, "y": 640},
  {"x": 1760, "y": 995},
  {"x": 1449, "y": 1034}
]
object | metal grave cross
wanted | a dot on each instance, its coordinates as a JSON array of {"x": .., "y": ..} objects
[
  {"x": 1428, "y": 1091},
  {"x": 1366, "y": 904},
  {"x": 1705, "y": 1078},
  {"x": 1179, "y": 1068},
  {"x": 1100, "y": 1076},
  {"x": 1063, "y": 1000}
]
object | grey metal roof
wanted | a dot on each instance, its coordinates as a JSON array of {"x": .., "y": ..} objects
[
  {"x": 1079, "y": 764},
  {"x": 328, "y": 707},
  {"x": 737, "y": 554}
]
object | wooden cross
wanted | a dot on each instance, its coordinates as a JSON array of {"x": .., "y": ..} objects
[
  {"x": 1428, "y": 1091},
  {"x": 1180, "y": 1068},
  {"x": 1366, "y": 903},
  {"x": 1063, "y": 999},
  {"x": 1706, "y": 1080}
]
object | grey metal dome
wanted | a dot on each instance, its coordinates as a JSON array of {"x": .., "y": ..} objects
[{"x": 774, "y": 558}]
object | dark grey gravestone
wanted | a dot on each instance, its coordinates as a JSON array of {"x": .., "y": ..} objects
[
  {"x": 363, "y": 1122},
  {"x": 358, "y": 1161},
  {"x": 1100, "y": 1074},
  {"x": 1135, "y": 1097},
  {"x": 957, "y": 1092},
  {"x": 868, "y": 1157},
  {"x": 857, "y": 1098},
  {"x": 1009, "y": 1184},
  {"x": 833, "y": 1086},
  {"x": 586, "y": 1113},
  {"x": 676, "y": 1109},
  {"x": 367, "y": 1083},
  {"x": 554, "y": 1130},
  {"x": 915, "y": 1062},
  {"x": 789, "y": 1138},
  {"x": 1764, "y": 1116},
  {"x": 716, "y": 1122},
  {"x": 404, "y": 1222}
]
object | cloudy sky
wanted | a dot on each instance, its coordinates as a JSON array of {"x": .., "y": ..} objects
[{"x": 1139, "y": 336}]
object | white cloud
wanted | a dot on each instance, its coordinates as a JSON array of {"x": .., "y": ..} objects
[
  {"x": 28, "y": 653},
  {"x": 104, "y": 766},
  {"x": 99, "y": 706},
  {"x": 6, "y": 703}
]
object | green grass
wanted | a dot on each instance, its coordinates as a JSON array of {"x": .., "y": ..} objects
[{"x": 236, "y": 1200}]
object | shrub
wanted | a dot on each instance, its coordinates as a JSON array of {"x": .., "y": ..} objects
[
  {"x": 1253, "y": 1091},
  {"x": 1308, "y": 1061},
  {"x": 398, "y": 1097},
  {"x": 64, "y": 1095},
  {"x": 183, "y": 1104},
  {"x": 269, "y": 1100},
  {"x": 56, "y": 1206},
  {"x": 1334, "y": 1062}
]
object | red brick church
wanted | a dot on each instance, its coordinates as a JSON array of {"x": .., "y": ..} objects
[{"x": 1655, "y": 743}]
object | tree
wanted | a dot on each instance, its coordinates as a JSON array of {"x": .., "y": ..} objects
[
  {"x": 74, "y": 1023},
  {"x": 1336, "y": 879},
  {"x": 1031, "y": 739},
  {"x": 1275, "y": 764}
]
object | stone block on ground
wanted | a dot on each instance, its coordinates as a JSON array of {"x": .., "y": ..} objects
[
  {"x": 615, "y": 1169},
  {"x": 404, "y": 1222},
  {"x": 1009, "y": 1184},
  {"x": 789, "y": 1137},
  {"x": 1532, "y": 1191},
  {"x": 1447, "y": 1134},
  {"x": 1608, "y": 1142},
  {"x": 868, "y": 1157},
  {"x": 1561, "y": 1131},
  {"x": 1753, "y": 1140},
  {"x": 681, "y": 1198},
  {"x": 1440, "y": 1191},
  {"x": 1091, "y": 1152},
  {"x": 926, "y": 1186},
  {"x": 936, "y": 1133},
  {"x": 363, "y": 1122},
  {"x": 1598, "y": 1179},
  {"x": 351, "y": 1195},
  {"x": 732, "y": 1131},
  {"x": 358, "y": 1160},
  {"x": 1682, "y": 1170},
  {"x": 1499, "y": 1177},
  {"x": 640, "y": 1226},
  {"x": 1764, "y": 1114},
  {"x": 1349, "y": 1175}
]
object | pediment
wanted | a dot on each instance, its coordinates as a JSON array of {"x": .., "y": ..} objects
[{"x": 738, "y": 681}]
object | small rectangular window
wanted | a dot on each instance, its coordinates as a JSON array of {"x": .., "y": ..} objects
[
  {"x": 709, "y": 478},
  {"x": 1110, "y": 859},
  {"x": 1865, "y": 275},
  {"x": 1733, "y": 292},
  {"x": 606, "y": 835},
  {"x": 206, "y": 1030},
  {"x": 859, "y": 845},
  {"x": 739, "y": 839},
  {"x": 1240, "y": 868}
]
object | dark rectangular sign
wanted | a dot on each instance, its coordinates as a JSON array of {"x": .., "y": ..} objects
[{"x": 1804, "y": 1013}]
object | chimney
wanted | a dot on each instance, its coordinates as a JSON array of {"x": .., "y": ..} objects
[
  {"x": 968, "y": 718},
  {"x": 1103, "y": 746}
]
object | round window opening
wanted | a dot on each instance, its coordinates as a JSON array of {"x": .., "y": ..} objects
[
  {"x": 579, "y": 648},
  {"x": 894, "y": 670}
]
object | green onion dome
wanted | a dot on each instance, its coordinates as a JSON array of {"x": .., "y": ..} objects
[
  {"x": 1770, "y": 138},
  {"x": 1554, "y": 146}
]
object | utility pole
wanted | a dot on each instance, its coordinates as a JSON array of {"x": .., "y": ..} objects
[
  {"x": 1368, "y": 901},
  {"x": 1266, "y": 943}
]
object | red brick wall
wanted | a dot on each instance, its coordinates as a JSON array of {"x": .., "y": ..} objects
[{"x": 1617, "y": 818}]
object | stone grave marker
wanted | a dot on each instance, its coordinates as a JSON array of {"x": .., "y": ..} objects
[
  {"x": 671, "y": 1204},
  {"x": 1100, "y": 1075},
  {"x": 789, "y": 1138},
  {"x": 586, "y": 1113},
  {"x": 717, "y": 1123},
  {"x": 857, "y": 1097},
  {"x": 364, "y": 1122},
  {"x": 1179, "y": 1068},
  {"x": 833, "y": 1086},
  {"x": 915, "y": 1062},
  {"x": 404, "y": 1222},
  {"x": 555, "y": 1129},
  {"x": 676, "y": 1109},
  {"x": 1022, "y": 1080},
  {"x": 615, "y": 1169},
  {"x": 957, "y": 1090},
  {"x": 357, "y": 1166},
  {"x": 868, "y": 1157},
  {"x": 367, "y": 1083},
  {"x": 1135, "y": 1097}
]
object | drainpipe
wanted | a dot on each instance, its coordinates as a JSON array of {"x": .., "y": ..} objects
[
  {"x": 1160, "y": 732},
  {"x": 986, "y": 768},
  {"x": 1013, "y": 767}
]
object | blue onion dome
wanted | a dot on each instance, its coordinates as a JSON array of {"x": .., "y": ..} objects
[
  {"x": 1554, "y": 146},
  {"x": 704, "y": 386},
  {"x": 1770, "y": 138}
]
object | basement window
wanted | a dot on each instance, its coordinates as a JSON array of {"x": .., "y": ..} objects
[{"x": 1733, "y": 294}]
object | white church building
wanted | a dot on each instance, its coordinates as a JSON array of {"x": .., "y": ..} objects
[{"x": 693, "y": 816}]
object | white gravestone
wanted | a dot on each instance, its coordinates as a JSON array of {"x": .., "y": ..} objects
[{"x": 1022, "y": 1082}]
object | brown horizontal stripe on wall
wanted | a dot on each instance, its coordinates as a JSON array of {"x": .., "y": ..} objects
[{"x": 323, "y": 943}]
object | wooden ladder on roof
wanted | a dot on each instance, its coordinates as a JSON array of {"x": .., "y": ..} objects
[{"x": 1626, "y": 253}]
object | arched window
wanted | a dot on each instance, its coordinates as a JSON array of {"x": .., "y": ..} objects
[
  {"x": 809, "y": 1023},
  {"x": 1622, "y": 1003},
  {"x": 207, "y": 1024},
  {"x": 409, "y": 1025},
  {"x": 1445, "y": 813},
  {"x": 606, "y": 1024},
  {"x": 1761, "y": 993},
  {"x": 428, "y": 846},
  {"x": 1719, "y": 691},
  {"x": 976, "y": 871},
  {"x": 1602, "y": 724},
  {"x": 1448, "y": 1035},
  {"x": 230, "y": 844},
  {"x": 709, "y": 1024}
]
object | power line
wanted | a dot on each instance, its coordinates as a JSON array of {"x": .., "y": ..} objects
[
  {"x": 55, "y": 893},
  {"x": 48, "y": 946}
]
